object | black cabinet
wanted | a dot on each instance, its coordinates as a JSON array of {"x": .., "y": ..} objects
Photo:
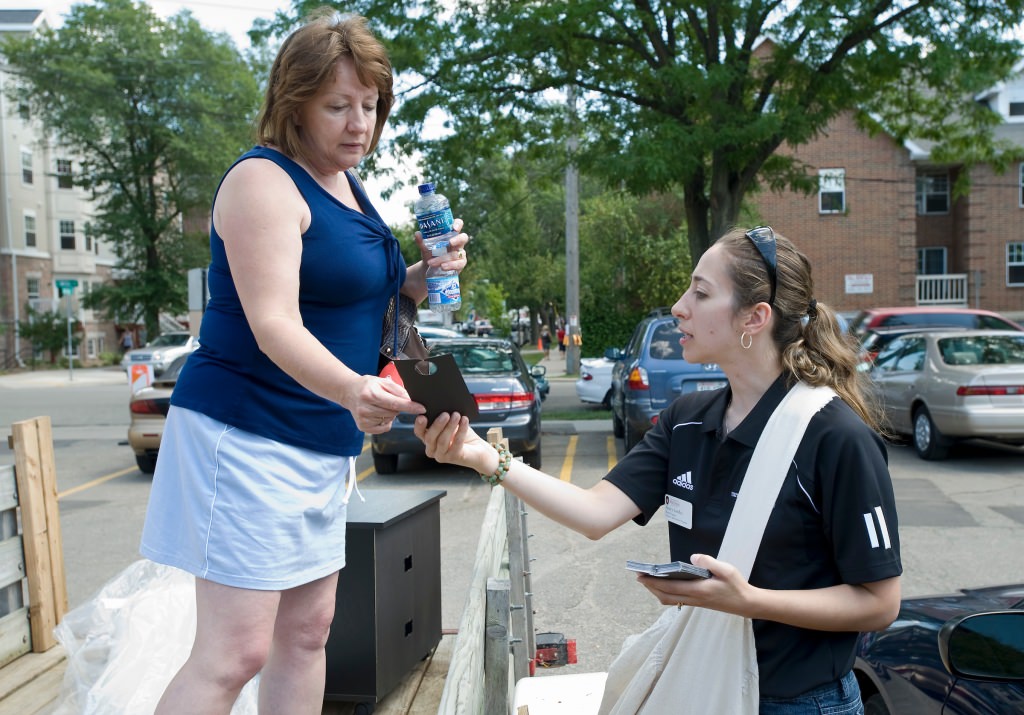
[{"x": 388, "y": 612}]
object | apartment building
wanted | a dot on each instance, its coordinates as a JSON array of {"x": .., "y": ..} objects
[
  {"x": 44, "y": 229},
  {"x": 885, "y": 228}
]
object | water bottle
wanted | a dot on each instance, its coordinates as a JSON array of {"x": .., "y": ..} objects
[
  {"x": 434, "y": 217},
  {"x": 443, "y": 292}
]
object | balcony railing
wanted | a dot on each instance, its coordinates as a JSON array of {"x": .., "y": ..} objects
[{"x": 947, "y": 289}]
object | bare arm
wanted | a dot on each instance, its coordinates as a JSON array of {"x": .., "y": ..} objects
[
  {"x": 592, "y": 512},
  {"x": 846, "y": 607},
  {"x": 260, "y": 215}
]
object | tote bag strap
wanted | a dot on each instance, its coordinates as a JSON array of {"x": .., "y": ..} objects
[{"x": 767, "y": 470}]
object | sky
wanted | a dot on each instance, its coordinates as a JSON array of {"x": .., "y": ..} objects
[{"x": 234, "y": 17}]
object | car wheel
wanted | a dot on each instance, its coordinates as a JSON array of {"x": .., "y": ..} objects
[
  {"x": 606, "y": 403},
  {"x": 928, "y": 441},
  {"x": 385, "y": 463},
  {"x": 631, "y": 438},
  {"x": 618, "y": 429},
  {"x": 875, "y": 705},
  {"x": 146, "y": 463},
  {"x": 533, "y": 458}
]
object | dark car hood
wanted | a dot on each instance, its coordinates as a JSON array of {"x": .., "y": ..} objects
[{"x": 941, "y": 608}]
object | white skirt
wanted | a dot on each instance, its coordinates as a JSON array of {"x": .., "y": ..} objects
[{"x": 242, "y": 510}]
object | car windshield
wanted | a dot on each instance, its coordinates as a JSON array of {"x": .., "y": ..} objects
[
  {"x": 983, "y": 350},
  {"x": 665, "y": 343},
  {"x": 169, "y": 341},
  {"x": 478, "y": 359}
]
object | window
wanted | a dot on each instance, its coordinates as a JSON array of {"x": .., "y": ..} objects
[
  {"x": 1015, "y": 264},
  {"x": 931, "y": 261},
  {"x": 1017, "y": 109},
  {"x": 932, "y": 194},
  {"x": 67, "y": 235},
  {"x": 831, "y": 191},
  {"x": 88, "y": 237},
  {"x": 26, "y": 166},
  {"x": 32, "y": 288},
  {"x": 29, "y": 221},
  {"x": 1021, "y": 187},
  {"x": 64, "y": 179}
]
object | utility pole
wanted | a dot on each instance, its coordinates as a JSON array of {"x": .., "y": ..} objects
[{"x": 573, "y": 336}]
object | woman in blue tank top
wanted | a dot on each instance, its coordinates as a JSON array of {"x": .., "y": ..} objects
[{"x": 256, "y": 461}]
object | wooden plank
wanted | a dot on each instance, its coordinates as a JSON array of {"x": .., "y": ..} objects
[
  {"x": 8, "y": 488},
  {"x": 37, "y": 697},
  {"x": 496, "y": 645},
  {"x": 48, "y": 464},
  {"x": 28, "y": 668},
  {"x": 14, "y": 636},
  {"x": 519, "y": 623},
  {"x": 39, "y": 569},
  {"x": 463, "y": 688},
  {"x": 12, "y": 561}
]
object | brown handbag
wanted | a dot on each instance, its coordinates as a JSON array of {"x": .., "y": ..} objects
[{"x": 405, "y": 342}]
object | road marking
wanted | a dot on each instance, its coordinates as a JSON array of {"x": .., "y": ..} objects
[
  {"x": 95, "y": 482},
  {"x": 570, "y": 455},
  {"x": 612, "y": 460}
]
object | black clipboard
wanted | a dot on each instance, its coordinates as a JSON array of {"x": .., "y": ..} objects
[{"x": 437, "y": 384}]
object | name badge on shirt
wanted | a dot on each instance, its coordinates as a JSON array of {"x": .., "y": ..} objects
[{"x": 678, "y": 511}]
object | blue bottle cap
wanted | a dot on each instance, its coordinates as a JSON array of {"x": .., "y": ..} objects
[{"x": 427, "y": 188}]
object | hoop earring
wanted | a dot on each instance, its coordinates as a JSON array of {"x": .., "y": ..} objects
[{"x": 750, "y": 341}]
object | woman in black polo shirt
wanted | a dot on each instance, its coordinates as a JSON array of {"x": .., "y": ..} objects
[{"x": 828, "y": 566}]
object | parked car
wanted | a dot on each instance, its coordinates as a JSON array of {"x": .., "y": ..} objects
[
  {"x": 595, "y": 381},
  {"x": 433, "y": 332},
  {"x": 943, "y": 386},
  {"x": 959, "y": 654},
  {"x": 506, "y": 392},
  {"x": 875, "y": 339},
  {"x": 148, "y": 411},
  {"x": 650, "y": 373},
  {"x": 924, "y": 315},
  {"x": 161, "y": 352}
]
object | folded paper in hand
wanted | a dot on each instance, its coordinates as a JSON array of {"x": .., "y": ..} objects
[{"x": 673, "y": 569}]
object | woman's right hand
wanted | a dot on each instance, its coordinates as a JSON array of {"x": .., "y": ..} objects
[{"x": 450, "y": 440}]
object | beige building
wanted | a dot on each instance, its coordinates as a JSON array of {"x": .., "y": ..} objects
[{"x": 44, "y": 228}]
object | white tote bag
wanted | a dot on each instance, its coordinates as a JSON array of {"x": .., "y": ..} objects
[{"x": 696, "y": 660}]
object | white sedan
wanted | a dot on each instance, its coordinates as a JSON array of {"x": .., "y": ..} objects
[{"x": 595, "y": 381}]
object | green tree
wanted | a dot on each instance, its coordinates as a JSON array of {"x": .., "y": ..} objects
[
  {"x": 687, "y": 97},
  {"x": 49, "y": 331},
  {"x": 155, "y": 110}
]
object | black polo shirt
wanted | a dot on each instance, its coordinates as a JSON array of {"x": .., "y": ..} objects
[{"x": 834, "y": 520}]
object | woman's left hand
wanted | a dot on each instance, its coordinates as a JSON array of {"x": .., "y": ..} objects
[
  {"x": 726, "y": 590},
  {"x": 455, "y": 259}
]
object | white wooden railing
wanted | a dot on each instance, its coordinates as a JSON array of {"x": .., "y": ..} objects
[{"x": 947, "y": 289}]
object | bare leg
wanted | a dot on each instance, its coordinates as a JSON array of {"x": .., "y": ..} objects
[
  {"x": 292, "y": 681},
  {"x": 234, "y": 629}
]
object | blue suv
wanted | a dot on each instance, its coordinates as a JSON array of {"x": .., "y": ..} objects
[{"x": 650, "y": 373}]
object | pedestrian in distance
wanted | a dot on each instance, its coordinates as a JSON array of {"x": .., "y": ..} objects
[
  {"x": 561, "y": 339},
  {"x": 257, "y": 461},
  {"x": 545, "y": 341},
  {"x": 828, "y": 565}
]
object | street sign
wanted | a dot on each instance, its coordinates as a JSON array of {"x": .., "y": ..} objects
[{"x": 67, "y": 285}]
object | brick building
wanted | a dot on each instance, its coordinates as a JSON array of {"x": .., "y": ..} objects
[{"x": 884, "y": 228}]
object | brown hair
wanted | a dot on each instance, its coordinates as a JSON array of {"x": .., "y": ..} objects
[
  {"x": 307, "y": 60},
  {"x": 811, "y": 343}
]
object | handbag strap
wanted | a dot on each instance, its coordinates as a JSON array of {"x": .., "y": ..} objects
[{"x": 768, "y": 467}]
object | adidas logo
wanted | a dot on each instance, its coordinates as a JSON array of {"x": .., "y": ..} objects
[{"x": 684, "y": 480}]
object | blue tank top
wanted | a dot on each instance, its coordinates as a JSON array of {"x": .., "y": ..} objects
[{"x": 351, "y": 264}]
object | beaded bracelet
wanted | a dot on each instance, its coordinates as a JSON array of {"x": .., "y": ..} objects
[{"x": 504, "y": 462}]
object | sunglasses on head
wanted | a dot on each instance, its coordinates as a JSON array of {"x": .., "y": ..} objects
[{"x": 763, "y": 239}]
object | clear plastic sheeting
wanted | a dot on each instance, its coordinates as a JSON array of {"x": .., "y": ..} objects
[{"x": 126, "y": 643}]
